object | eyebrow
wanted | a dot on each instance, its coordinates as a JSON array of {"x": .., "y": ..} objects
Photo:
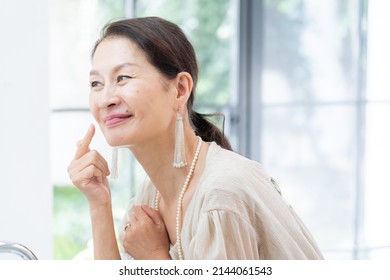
[{"x": 116, "y": 68}]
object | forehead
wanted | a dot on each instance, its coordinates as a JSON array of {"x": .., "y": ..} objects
[{"x": 117, "y": 50}]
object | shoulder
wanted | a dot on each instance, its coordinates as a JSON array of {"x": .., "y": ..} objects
[
  {"x": 232, "y": 182},
  {"x": 233, "y": 171},
  {"x": 232, "y": 163}
]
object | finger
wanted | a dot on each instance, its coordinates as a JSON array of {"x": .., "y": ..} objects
[
  {"x": 92, "y": 158},
  {"x": 138, "y": 214},
  {"x": 95, "y": 158},
  {"x": 94, "y": 173},
  {"x": 100, "y": 161},
  {"x": 98, "y": 175},
  {"x": 86, "y": 175},
  {"x": 83, "y": 144},
  {"x": 152, "y": 214}
]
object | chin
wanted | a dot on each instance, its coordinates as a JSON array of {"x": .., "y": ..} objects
[
  {"x": 115, "y": 140},
  {"x": 112, "y": 140}
]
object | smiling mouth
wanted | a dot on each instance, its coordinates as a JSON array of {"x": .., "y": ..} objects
[{"x": 113, "y": 120}]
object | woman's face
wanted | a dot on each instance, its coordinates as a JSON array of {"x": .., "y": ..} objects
[{"x": 130, "y": 99}]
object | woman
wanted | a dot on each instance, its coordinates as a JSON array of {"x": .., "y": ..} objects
[{"x": 218, "y": 206}]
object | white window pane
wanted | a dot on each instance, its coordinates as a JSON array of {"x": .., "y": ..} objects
[
  {"x": 378, "y": 55},
  {"x": 377, "y": 180},
  {"x": 310, "y": 50},
  {"x": 74, "y": 28}
]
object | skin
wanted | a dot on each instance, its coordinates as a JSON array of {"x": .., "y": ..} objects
[{"x": 124, "y": 82}]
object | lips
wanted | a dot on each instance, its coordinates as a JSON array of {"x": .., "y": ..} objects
[{"x": 112, "y": 120}]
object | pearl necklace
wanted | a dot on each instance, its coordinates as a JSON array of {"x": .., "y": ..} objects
[{"x": 180, "y": 200}]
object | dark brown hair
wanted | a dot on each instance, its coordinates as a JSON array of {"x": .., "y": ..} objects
[{"x": 167, "y": 48}]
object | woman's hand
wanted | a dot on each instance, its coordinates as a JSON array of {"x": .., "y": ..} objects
[
  {"x": 89, "y": 170},
  {"x": 146, "y": 237}
]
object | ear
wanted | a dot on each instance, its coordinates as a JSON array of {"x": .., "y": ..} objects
[{"x": 184, "y": 85}]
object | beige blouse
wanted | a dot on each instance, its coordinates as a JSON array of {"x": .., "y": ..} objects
[{"x": 236, "y": 213}]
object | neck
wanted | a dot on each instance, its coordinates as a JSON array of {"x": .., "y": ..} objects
[{"x": 156, "y": 158}]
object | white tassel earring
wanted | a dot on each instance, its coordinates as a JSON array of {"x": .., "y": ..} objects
[
  {"x": 114, "y": 164},
  {"x": 179, "y": 157}
]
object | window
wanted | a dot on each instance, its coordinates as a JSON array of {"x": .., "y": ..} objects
[
  {"x": 210, "y": 26},
  {"x": 322, "y": 129}
]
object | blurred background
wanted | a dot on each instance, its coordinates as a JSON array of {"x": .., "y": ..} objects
[{"x": 303, "y": 84}]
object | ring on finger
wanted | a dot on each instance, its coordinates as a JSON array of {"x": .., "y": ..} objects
[{"x": 127, "y": 226}]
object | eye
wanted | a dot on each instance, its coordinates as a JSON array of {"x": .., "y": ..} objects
[
  {"x": 122, "y": 78},
  {"x": 95, "y": 84}
]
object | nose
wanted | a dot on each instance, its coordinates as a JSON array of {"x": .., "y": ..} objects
[{"x": 109, "y": 97}]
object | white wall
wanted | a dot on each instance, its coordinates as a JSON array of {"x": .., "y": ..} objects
[{"x": 25, "y": 189}]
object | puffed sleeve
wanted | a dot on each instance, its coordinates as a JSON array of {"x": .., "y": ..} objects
[{"x": 223, "y": 235}]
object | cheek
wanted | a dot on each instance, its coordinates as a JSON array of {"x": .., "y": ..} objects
[
  {"x": 93, "y": 107},
  {"x": 162, "y": 113},
  {"x": 141, "y": 99}
]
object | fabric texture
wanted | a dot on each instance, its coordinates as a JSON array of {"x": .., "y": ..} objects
[{"x": 235, "y": 213}]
